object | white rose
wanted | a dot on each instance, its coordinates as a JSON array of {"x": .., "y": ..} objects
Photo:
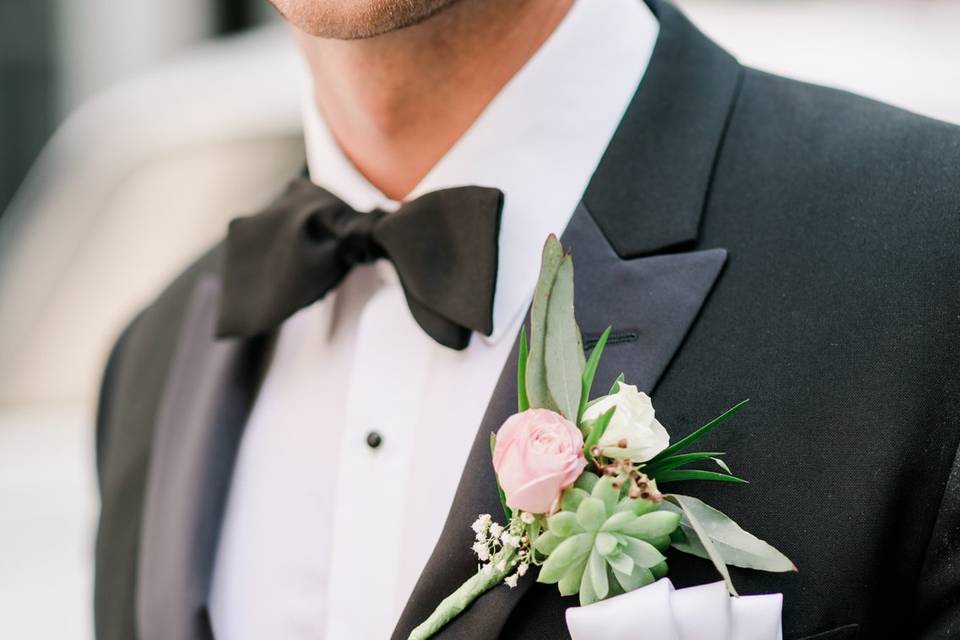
[{"x": 633, "y": 422}]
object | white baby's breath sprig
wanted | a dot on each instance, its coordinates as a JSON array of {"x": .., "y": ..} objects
[{"x": 501, "y": 549}]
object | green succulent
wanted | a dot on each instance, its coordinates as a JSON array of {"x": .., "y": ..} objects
[{"x": 602, "y": 542}]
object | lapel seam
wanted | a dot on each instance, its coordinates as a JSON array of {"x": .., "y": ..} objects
[{"x": 721, "y": 143}]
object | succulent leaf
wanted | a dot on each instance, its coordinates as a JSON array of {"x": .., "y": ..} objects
[
  {"x": 567, "y": 552},
  {"x": 571, "y": 498},
  {"x": 564, "y": 524},
  {"x": 604, "y": 543},
  {"x": 591, "y": 514},
  {"x": 652, "y": 525},
  {"x": 597, "y": 568},
  {"x": 621, "y": 562}
]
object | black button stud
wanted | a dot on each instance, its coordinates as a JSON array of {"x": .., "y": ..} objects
[{"x": 374, "y": 440}]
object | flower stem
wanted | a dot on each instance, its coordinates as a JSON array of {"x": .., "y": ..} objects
[{"x": 454, "y": 604}]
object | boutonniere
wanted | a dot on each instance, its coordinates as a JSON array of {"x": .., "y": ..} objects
[{"x": 578, "y": 478}]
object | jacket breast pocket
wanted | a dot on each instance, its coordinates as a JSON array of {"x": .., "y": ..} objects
[{"x": 846, "y": 632}]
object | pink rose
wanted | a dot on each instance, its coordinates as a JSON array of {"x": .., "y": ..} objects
[{"x": 538, "y": 454}]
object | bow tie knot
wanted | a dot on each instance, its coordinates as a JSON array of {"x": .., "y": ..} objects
[
  {"x": 443, "y": 244},
  {"x": 351, "y": 231}
]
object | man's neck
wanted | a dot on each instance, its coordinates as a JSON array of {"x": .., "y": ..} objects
[{"x": 398, "y": 102}]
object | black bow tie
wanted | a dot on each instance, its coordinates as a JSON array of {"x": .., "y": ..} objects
[{"x": 443, "y": 245}]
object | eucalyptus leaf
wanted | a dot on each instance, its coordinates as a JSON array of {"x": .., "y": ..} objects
[
  {"x": 734, "y": 545},
  {"x": 691, "y": 514},
  {"x": 564, "y": 345},
  {"x": 538, "y": 394}
]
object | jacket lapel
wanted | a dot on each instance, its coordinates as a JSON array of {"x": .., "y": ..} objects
[
  {"x": 645, "y": 199},
  {"x": 209, "y": 392}
]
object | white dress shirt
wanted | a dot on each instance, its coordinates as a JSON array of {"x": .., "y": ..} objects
[{"x": 323, "y": 535}]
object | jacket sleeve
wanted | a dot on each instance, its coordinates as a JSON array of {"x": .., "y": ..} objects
[
  {"x": 937, "y": 610},
  {"x": 106, "y": 401}
]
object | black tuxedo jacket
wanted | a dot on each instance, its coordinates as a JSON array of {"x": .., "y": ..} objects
[{"x": 745, "y": 235}]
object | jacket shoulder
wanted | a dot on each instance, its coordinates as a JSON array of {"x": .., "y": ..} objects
[
  {"x": 828, "y": 154},
  {"x": 138, "y": 362}
]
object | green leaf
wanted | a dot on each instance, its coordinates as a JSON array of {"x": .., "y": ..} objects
[
  {"x": 621, "y": 562},
  {"x": 503, "y": 497},
  {"x": 662, "y": 543},
  {"x": 652, "y": 525},
  {"x": 597, "y": 568},
  {"x": 570, "y": 582},
  {"x": 538, "y": 394},
  {"x": 586, "y": 481},
  {"x": 590, "y": 371},
  {"x": 616, "y": 384},
  {"x": 564, "y": 524},
  {"x": 643, "y": 553},
  {"x": 587, "y": 593},
  {"x": 692, "y": 516},
  {"x": 546, "y": 542},
  {"x": 599, "y": 426},
  {"x": 566, "y": 554},
  {"x": 523, "y": 403},
  {"x": 591, "y": 514},
  {"x": 722, "y": 465},
  {"x": 733, "y": 545},
  {"x": 606, "y": 544},
  {"x": 618, "y": 520},
  {"x": 638, "y": 506},
  {"x": 696, "y": 474},
  {"x": 639, "y": 577},
  {"x": 660, "y": 570},
  {"x": 571, "y": 498},
  {"x": 564, "y": 345},
  {"x": 699, "y": 433},
  {"x": 678, "y": 460},
  {"x": 606, "y": 492}
]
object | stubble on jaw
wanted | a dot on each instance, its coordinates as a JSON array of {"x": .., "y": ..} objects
[{"x": 357, "y": 19}]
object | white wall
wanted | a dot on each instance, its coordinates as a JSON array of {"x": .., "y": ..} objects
[
  {"x": 906, "y": 52},
  {"x": 105, "y": 41}
]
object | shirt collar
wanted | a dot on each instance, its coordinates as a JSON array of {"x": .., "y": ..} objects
[{"x": 539, "y": 140}]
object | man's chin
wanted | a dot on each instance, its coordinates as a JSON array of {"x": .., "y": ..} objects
[{"x": 357, "y": 19}]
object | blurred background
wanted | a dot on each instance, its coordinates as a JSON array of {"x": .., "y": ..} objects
[{"x": 132, "y": 131}]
